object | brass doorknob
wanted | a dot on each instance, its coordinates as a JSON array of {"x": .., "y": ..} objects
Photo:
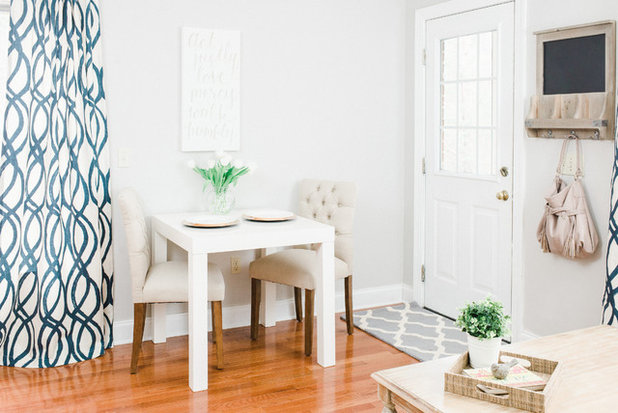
[{"x": 502, "y": 195}]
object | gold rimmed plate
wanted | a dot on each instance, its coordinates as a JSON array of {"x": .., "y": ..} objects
[
  {"x": 210, "y": 221},
  {"x": 268, "y": 215}
]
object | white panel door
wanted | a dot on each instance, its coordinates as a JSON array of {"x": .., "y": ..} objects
[{"x": 469, "y": 149}]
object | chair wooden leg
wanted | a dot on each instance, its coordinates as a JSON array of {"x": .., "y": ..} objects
[
  {"x": 256, "y": 293},
  {"x": 349, "y": 316},
  {"x": 309, "y": 297},
  {"x": 139, "y": 318},
  {"x": 298, "y": 301},
  {"x": 217, "y": 328}
]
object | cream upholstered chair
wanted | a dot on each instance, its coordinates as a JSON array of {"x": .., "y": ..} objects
[
  {"x": 327, "y": 202},
  {"x": 165, "y": 282}
]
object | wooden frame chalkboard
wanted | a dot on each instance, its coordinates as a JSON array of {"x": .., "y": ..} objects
[
  {"x": 577, "y": 53},
  {"x": 575, "y": 65},
  {"x": 575, "y": 82}
]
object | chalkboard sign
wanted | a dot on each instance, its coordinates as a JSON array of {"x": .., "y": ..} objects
[
  {"x": 575, "y": 65},
  {"x": 575, "y": 82}
]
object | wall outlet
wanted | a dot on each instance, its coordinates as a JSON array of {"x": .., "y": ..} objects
[
  {"x": 235, "y": 265},
  {"x": 569, "y": 166}
]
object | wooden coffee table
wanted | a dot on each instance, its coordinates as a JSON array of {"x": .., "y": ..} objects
[{"x": 587, "y": 383}]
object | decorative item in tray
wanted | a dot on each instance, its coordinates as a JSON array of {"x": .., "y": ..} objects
[{"x": 524, "y": 388}]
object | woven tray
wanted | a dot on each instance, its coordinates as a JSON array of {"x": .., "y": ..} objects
[{"x": 535, "y": 401}]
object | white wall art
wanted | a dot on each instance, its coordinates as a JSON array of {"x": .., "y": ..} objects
[{"x": 210, "y": 106}]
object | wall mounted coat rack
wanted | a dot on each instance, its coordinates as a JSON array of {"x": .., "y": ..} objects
[{"x": 576, "y": 83}]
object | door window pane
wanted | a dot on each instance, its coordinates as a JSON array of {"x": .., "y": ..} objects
[
  {"x": 468, "y": 104},
  {"x": 486, "y": 54},
  {"x": 449, "y": 59},
  {"x": 449, "y": 104},
  {"x": 468, "y": 57},
  {"x": 486, "y": 103}
]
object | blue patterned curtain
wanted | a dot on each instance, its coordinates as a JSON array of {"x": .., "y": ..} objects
[
  {"x": 610, "y": 311},
  {"x": 55, "y": 221}
]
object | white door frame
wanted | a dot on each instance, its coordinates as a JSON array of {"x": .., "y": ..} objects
[{"x": 520, "y": 38}]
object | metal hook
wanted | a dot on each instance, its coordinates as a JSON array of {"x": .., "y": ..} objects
[
  {"x": 572, "y": 135},
  {"x": 549, "y": 134}
]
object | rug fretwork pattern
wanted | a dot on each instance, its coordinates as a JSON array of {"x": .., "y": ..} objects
[{"x": 418, "y": 332}]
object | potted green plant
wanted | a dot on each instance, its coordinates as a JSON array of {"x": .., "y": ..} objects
[
  {"x": 220, "y": 177},
  {"x": 486, "y": 324}
]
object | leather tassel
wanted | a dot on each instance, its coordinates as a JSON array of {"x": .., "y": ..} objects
[
  {"x": 545, "y": 244},
  {"x": 569, "y": 248},
  {"x": 542, "y": 237}
]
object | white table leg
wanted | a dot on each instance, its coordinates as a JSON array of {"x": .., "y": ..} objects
[
  {"x": 268, "y": 301},
  {"x": 325, "y": 300},
  {"x": 158, "y": 311},
  {"x": 159, "y": 318},
  {"x": 198, "y": 321}
]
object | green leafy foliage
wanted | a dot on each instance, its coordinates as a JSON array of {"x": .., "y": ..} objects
[
  {"x": 221, "y": 176},
  {"x": 484, "y": 319}
]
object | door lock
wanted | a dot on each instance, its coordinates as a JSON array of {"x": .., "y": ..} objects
[
  {"x": 502, "y": 195},
  {"x": 504, "y": 171}
]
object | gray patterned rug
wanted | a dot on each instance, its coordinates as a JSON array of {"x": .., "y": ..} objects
[{"x": 408, "y": 327}]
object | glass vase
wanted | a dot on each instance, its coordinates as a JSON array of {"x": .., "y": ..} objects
[{"x": 219, "y": 201}]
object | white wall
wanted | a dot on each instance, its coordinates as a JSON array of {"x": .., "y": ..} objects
[
  {"x": 559, "y": 294},
  {"x": 322, "y": 96}
]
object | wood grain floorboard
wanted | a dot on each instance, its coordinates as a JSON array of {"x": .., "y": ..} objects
[{"x": 270, "y": 374}]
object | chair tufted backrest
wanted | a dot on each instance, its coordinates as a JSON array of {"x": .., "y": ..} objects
[
  {"x": 332, "y": 203},
  {"x": 138, "y": 241}
]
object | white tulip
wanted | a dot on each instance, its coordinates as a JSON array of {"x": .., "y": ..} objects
[
  {"x": 220, "y": 154},
  {"x": 226, "y": 160},
  {"x": 191, "y": 164},
  {"x": 211, "y": 163},
  {"x": 237, "y": 163}
]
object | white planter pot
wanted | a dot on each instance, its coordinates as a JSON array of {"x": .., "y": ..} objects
[{"x": 483, "y": 353}]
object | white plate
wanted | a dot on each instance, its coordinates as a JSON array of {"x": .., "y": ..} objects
[
  {"x": 268, "y": 215},
  {"x": 210, "y": 221}
]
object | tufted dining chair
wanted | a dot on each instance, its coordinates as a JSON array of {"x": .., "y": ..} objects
[
  {"x": 330, "y": 203},
  {"x": 165, "y": 282}
]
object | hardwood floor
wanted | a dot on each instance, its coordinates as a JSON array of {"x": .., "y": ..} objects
[{"x": 268, "y": 375}]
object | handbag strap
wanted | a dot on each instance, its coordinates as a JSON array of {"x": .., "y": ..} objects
[{"x": 565, "y": 144}]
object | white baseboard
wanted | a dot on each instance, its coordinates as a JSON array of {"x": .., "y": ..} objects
[
  {"x": 526, "y": 335},
  {"x": 239, "y": 316},
  {"x": 408, "y": 293}
]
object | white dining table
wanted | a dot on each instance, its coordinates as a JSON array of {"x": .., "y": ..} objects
[{"x": 246, "y": 235}]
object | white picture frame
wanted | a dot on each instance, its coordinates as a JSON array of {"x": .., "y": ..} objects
[{"x": 210, "y": 90}]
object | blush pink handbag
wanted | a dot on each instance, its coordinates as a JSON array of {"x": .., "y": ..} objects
[{"x": 567, "y": 227}]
